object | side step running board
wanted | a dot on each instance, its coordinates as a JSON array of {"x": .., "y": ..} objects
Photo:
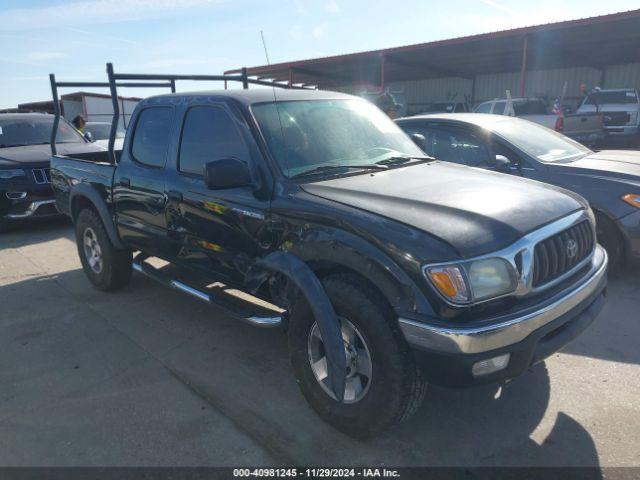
[{"x": 246, "y": 313}]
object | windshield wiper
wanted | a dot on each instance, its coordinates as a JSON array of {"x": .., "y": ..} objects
[
  {"x": 323, "y": 168},
  {"x": 402, "y": 159}
]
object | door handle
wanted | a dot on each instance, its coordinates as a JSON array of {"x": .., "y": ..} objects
[
  {"x": 125, "y": 182},
  {"x": 174, "y": 196}
]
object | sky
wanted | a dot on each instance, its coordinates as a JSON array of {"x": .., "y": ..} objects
[{"x": 74, "y": 39}]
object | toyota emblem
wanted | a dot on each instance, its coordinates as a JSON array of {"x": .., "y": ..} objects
[{"x": 572, "y": 248}]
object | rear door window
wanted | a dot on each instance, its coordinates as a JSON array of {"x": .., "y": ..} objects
[
  {"x": 151, "y": 136},
  {"x": 209, "y": 133}
]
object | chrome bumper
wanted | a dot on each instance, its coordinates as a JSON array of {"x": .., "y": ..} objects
[
  {"x": 469, "y": 340},
  {"x": 31, "y": 209}
]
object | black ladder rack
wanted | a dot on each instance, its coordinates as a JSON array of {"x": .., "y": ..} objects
[{"x": 144, "y": 80}]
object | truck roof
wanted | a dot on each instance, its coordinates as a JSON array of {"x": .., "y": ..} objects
[{"x": 260, "y": 95}]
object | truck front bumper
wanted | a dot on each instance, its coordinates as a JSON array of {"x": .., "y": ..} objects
[
  {"x": 622, "y": 130},
  {"x": 452, "y": 356}
]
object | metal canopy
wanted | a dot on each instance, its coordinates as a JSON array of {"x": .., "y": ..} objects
[{"x": 594, "y": 42}]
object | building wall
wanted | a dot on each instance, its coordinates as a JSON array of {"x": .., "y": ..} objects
[
  {"x": 72, "y": 108},
  {"x": 99, "y": 109},
  {"x": 623, "y": 76},
  {"x": 548, "y": 84}
]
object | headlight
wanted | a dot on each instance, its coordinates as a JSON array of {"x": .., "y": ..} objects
[
  {"x": 633, "y": 117},
  {"x": 475, "y": 281},
  {"x": 6, "y": 174},
  {"x": 632, "y": 199}
]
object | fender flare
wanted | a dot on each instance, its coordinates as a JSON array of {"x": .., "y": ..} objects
[
  {"x": 364, "y": 258},
  {"x": 87, "y": 192},
  {"x": 309, "y": 284}
]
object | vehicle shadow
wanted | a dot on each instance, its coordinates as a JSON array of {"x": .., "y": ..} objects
[
  {"x": 491, "y": 426},
  {"x": 52, "y": 323},
  {"x": 613, "y": 335},
  {"x": 27, "y": 232}
]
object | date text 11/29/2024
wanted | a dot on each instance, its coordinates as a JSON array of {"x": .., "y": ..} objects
[{"x": 316, "y": 472}]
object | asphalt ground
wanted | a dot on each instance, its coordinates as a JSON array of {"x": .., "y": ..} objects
[{"x": 148, "y": 377}]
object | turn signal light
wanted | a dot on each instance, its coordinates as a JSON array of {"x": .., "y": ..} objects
[
  {"x": 632, "y": 199},
  {"x": 449, "y": 282}
]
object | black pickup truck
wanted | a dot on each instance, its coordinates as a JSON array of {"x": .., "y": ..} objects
[{"x": 387, "y": 269}]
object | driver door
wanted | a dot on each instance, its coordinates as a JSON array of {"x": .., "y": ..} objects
[{"x": 218, "y": 231}]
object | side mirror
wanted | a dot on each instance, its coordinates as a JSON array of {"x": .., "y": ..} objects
[
  {"x": 226, "y": 173},
  {"x": 420, "y": 140},
  {"x": 88, "y": 136},
  {"x": 500, "y": 164}
]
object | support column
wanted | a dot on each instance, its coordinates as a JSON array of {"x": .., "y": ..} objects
[
  {"x": 523, "y": 68},
  {"x": 290, "y": 77},
  {"x": 473, "y": 92},
  {"x": 382, "y": 69}
]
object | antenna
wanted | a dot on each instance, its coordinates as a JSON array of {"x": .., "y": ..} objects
[
  {"x": 275, "y": 98},
  {"x": 264, "y": 44}
]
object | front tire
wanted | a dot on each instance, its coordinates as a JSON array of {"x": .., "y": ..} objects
[
  {"x": 107, "y": 267},
  {"x": 384, "y": 385}
]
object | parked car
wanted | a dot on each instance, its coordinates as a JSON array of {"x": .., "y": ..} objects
[
  {"x": 620, "y": 109},
  {"x": 609, "y": 180},
  {"x": 25, "y": 181},
  {"x": 387, "y": 268},
  {"x": 586, "y": 127},
  {"x": 99, "y": 134}
]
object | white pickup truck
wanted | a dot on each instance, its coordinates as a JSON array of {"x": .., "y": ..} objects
[
  {"x": 586, "y": 128},
  {"x": 620, "y": 109}
]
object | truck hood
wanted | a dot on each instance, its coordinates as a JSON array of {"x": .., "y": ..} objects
[
  {"x": 610, "y": 163},
  {"x": 473, "y": 210},
  {"x": 31, "y": 155}
]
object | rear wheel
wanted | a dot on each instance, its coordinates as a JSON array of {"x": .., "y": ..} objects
[
  {"x": 610, "y": 238},
  {"x": 383, "y": 384},
  {"x": 107, "y": 267}
]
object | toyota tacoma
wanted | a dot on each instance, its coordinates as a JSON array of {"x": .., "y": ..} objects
[{"x": 314, "y": 212}]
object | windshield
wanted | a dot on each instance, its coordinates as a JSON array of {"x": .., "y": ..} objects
[
  {"x": 35, "y": 130},
  {"x": 539, "y": 142},
  {"x": 101, "y": 131},
  {"x": 303, "y": 135},
  {"x": 616, "y": 98}
]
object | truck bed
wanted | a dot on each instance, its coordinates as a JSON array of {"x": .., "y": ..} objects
[{"x": 86, "y": 170}]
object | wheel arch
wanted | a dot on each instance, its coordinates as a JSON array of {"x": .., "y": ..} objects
[{"x": 83, "y": 196}]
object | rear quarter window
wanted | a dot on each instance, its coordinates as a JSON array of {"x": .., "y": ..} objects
[{"x": 151, "y": 136}]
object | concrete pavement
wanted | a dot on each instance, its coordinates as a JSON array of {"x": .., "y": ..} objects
[{"x": 147, "y": 376}]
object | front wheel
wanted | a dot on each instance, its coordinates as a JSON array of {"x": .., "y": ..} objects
[
  {"x": 107, "y": 267},
  {"x": 383, "y": 384}
]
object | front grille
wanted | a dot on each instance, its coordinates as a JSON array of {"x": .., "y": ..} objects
[
  {"x": 42, "y": 175},
  {"x": 558, "y": 254},
  {"x": 615, "y": 119}
]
